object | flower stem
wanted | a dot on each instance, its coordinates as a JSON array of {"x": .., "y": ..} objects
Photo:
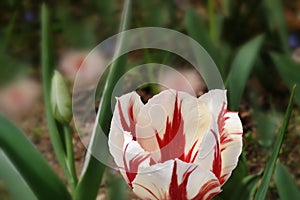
[{"x": 70, "y": 157}]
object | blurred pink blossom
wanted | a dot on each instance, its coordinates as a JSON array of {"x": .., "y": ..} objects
[
  {"x": 90, "y": 65},
  {"x": 18, "y": 98},
  {"x": 186, "y": 80}
]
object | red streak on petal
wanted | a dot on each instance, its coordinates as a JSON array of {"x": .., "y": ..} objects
[
  {"x": 206, "y": 188},
  {"x": 131, "y": 126},
  {"x": 188, "y": 157},
  {"x": 179, "y": 191},
  {"x": 224, "y": 137},
  {"x": 148, "y": 190},
  {"x": 223, "y": 178},
  {"x": 217, "y": 163},
  {"x": 173, "y": 142},
  {"x": 132, "y": 169},
  {"x": 221, "y": 120}
]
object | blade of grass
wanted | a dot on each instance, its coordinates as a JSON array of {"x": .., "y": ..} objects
[
  {"x": 92, "y": 173},
  {"x": 30, "y": 164},
  {"x": 47, "y": 73},
  {"x": 212, "y": 21},
  {"x": 13, "y": 180},
  {"x": 271, "y": 163},
  {"x": 285, "y": 183},
  {"x": 240, "y": 70}
]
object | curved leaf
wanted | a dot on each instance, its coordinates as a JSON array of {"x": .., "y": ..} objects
[
  {"x": 240, "y": 70},
  {"x": 29, "y": 163},
  {"x": 289, "y": 71},
  {"x": 285, "y": 183},
  {"x": 93, "y": 170},
  {"x": 13, "y": 180}
]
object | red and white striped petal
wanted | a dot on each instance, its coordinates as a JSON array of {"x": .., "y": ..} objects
[
  {"x": 126, "y": 111},
  {"x": 127, "y": 153},
  {"x": 171, "y": 125},
  {"x": 175, "y": 179},
  {"x": 123, "y": 120},
  {"x": 231, "y": 144},
  {"x": 130, "y": 158},
  {"x": 222, "y": 145}
]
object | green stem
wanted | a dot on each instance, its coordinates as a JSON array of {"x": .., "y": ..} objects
[
  {"x": 47, "y": 73},
  {"x": 92, "y": 174},
  {"x": 212, "y": 21},
  {"x": 70, "y": 157}
]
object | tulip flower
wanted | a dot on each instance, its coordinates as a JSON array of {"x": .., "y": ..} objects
[{"x": 175, "y": 146}]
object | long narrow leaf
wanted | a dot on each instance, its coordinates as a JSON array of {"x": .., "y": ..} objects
[
  {"x": 271, "y": 163},
  {"x": 240, "y": 70},
  {"x": 289, "y": 71},
  {"x": 30, "y": 164},
  {"x": 92, "y": 174},
  {"x": 197, "y": 29},
  {"x": 13, "y": 180},
  {"x": 285, "y": 183},
  {"x": 47, "y": 73}
]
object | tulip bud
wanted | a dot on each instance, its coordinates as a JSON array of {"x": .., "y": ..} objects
[{"x": 60, "y": 99}]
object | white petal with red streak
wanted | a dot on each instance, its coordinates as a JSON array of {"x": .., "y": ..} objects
[
  {"x": 197, "y": 120},
  {"x": 155, "y": 183},
  {"x": 153, "y": 116},
  {"x": 133, "y": 149},
  {"x": 125, "y": 102},
  {"x": 232, "y": 150},
  {"x": 207, "y": 147},
  {"x": 214, "y": 100},
  {"x": 116, "y": 135}
]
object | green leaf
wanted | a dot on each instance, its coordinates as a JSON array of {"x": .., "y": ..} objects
[
  {"x": 271, "y": 163},
  {"x": 47, "y": 73},
  {"x": 276, "y": 20},
  {"x": 240, "y": 70},
  {"x": 285, "y": 183},
  {"x": 29, "y": 163},
  {"x": 198, "y": 30},
  {"x": 13, "y": 180},
  {"x": 289, "y": 71},
  {"x": 267, "y": 126},
  {"x": 245, "y": 189},
  {"x": 91, "y": 178}
]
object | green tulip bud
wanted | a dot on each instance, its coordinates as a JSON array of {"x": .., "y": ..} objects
[{"x": 60, "y": 99}]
